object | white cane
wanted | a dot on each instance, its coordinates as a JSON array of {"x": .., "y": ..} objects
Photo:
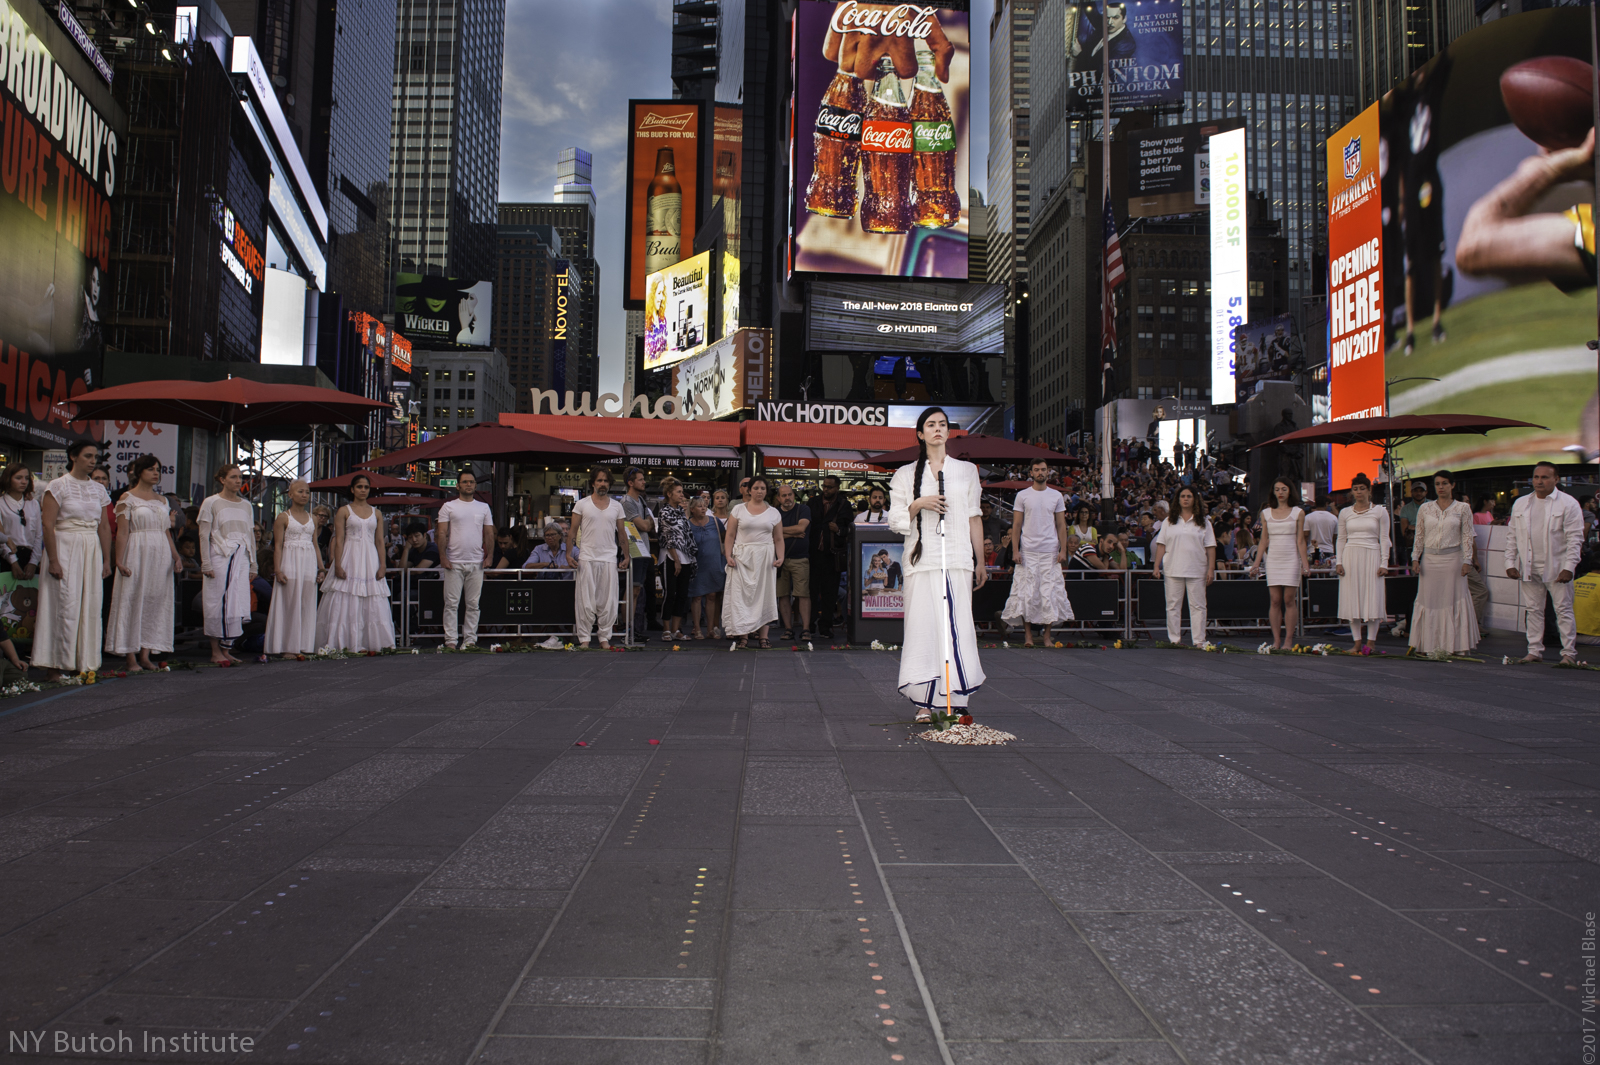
[{"x": 944, "y": 622}]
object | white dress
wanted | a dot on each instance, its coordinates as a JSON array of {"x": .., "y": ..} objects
[
  {"x": 228, "y": 550},
  {"x": 141, "y": 605},
  {"x": 354, "y": 614},
  {"x": 68, "y": 632},
  {"x": 292, "y": 613},
  {"x": 1362, "y": 547},
  {"x": 750, "y": 594},
  {"x": 932, "y": 633},
  {"x": 1443, "y": 618},
  {"x": 1283, "y": 548}
]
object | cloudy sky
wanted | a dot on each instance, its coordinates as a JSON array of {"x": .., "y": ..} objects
[{"x": 570, "y": 69}]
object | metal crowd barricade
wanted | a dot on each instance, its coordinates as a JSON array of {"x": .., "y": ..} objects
[{"x": 514, "y": 603}]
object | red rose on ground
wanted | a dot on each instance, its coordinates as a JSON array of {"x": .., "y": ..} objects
[{"x": 966, "y": 719}]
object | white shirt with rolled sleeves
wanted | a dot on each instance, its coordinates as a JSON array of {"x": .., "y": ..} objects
[
  {"x": 962, "y": 490},
  {"x": 1186, "y": 545}
]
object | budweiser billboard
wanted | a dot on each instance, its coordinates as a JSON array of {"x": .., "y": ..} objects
[
  {"x": 1355, "y": 289},
  {"x": 879, "y": 143},
  {"x": 663, "y": 190}
]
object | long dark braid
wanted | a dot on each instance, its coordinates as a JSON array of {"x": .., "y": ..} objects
[{"x": 916, "y": 475}]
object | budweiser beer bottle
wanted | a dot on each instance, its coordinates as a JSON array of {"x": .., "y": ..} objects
[
  {"x": 934, "y": 135},
  {"x": 886, "y": 151},
  {"x": 663, "y": 214},
  {"x": 836, "y": 148}
]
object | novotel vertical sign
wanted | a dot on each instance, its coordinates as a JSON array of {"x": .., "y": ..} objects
[{"x": 558, "y": 328}]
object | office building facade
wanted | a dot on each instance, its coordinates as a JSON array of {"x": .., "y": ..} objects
[
  {"x": 444, "y": 152},
  {"x": 537, "y": 298},
  {"x": 1394, "y": 37},
  {"x": 1010, "y": 84},
  {"x": 573, "y": 223},
  {"x": 457, "y": 389}
]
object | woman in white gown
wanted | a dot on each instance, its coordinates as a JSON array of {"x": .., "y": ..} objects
[
  {"x": 1284, "y": 548},
  {"x": 754, "y": 547},
  {"x": 1444, "y": 618},
  {"x": 77, "y": 548},
  {"x": 1362, "y": 549},
  {"x": 227, "y": 525},
  {"x": 354, "y": 614},
  {"x": 147, "y": 562},
  {"x": 292, "y": 614},
  {"x": 943, "y": 566}
]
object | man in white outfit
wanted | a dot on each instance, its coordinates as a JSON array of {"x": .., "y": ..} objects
[
  {"x": 466, "y": 538},
  {"x": 1542, "y": 550},
  {"x": 1038, "y": 589}
]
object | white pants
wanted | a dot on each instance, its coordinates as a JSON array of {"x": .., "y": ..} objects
[
  {"x": 594, "y": 598},
  {"x": 462, "y": 577},
  {"x": 1195, "y": 588},
  {"x": 1533, "y": 593}
]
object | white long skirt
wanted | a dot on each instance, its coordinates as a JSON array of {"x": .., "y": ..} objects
[
  {"x": 1362, "y": 593},
  {"x": 141, "y": 605},
  {"x": 67, "y": 636},
  {"x": 1443, "y": 618},
  {"x": 927, "y": 623},
  {"x": 1038, "y": 596},
  {"x": 355, "y": 614},
  {"x": 292, "y": 614},
  {"x": 225, "y": 595},
  {"x": 594, "y": 600},
  {"x": 750, "y": 596}
]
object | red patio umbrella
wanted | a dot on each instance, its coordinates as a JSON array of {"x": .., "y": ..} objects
[
  {"x": 1392, "y": 432},
  {"x": 983, "y": 450},
  {"x": 491, "y": 442},
  {"x": 381, "y": 482},
  {"x": 217, "y": 406}
]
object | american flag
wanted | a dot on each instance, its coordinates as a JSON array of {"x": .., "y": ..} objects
[{"x": 1112, "y": 275}]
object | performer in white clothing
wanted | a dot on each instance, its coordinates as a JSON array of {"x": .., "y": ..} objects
[
  {"x": 355, "y": 613},
  {"x": 141, "y": 601},
  {"x": 292, "y": 614},
  {"x": 753, "y": 544},
  {"x": 1038, "y": 586},
  {"x": 227, "y": 562},
  {"x": 1443, "y": 618},
  {"x": 1542, "y": 551},
  {"x": 600, "y": 545},
  {"x": 939, "y": 666},
  {"x": 1283, "y": 546},
  {"x": 77, "y": 548},
  {"x": 1362, "y": 548},
  {"x": 1186, "y": 561}
]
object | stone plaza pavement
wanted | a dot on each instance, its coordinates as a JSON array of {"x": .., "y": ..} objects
[{"x": 668, "y": 858}]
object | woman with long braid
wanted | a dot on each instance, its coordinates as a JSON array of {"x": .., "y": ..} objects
[{"x": 944, "y": 533}]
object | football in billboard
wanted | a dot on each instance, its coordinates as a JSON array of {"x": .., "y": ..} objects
[
  {"x": 443, "y": 310},
  {"x": 677, "y": 312},
  {"x": 1488, "y": 267},
  {"x": 1144, "y": 40},
  {"x": 880, "y": 153},
  {"x": 919, "y": 317},
  {"x": 1267, "y": 351}
]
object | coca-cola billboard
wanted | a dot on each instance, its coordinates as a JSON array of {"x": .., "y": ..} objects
[
  {"x": 663, "y": 189},
  {"x": 880, "y": 154}
]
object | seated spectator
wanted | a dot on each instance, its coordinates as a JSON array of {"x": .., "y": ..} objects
[
  {"x": 552, "y": 554},
  {"x": 510, "y": 548},
  {"x": 1081, "y": 554},
  {"x": 189, "y": 554},
  {"x": 416, "y": 552}
]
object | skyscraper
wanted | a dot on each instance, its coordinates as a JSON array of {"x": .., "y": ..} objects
[
  {"x": 1010, "y": 78},
  {"x": 1394, "y": 37},
  {"x": 538, "y": 298},
  {"x": 571, "y": 217},
  {"x": 444, "y": 153}
]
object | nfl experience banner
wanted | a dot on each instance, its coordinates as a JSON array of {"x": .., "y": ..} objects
[
  {"x": 663, "y": 190},
  {"x": 1355, "y": 290},
  {"x": 879, "y": 142},
  {"x": 1145, "y": 39},
  {"x": 60, "y": 162}
]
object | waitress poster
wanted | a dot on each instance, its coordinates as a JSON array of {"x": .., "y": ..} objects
[{"x": 883, "y": 583}]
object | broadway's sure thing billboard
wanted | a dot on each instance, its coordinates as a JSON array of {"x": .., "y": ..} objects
[
  {"x": 921, "y": 317},
  {"x": 60, "y": 161},
  {"x": 663, "y": 190},
  {"x": 879, "y": 153},
  {"x": 1145, "y": 39},
  {"x": 1169, "y": 169},
  {"x": 1501, "y": 254},
  {"x": 1355, "y": 289},
  {"x": 677, "y": 311},
  {"x": 443, "y": 310}
]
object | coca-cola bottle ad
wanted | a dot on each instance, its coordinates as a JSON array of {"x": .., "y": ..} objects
[{"x": 881, "y": 150}]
